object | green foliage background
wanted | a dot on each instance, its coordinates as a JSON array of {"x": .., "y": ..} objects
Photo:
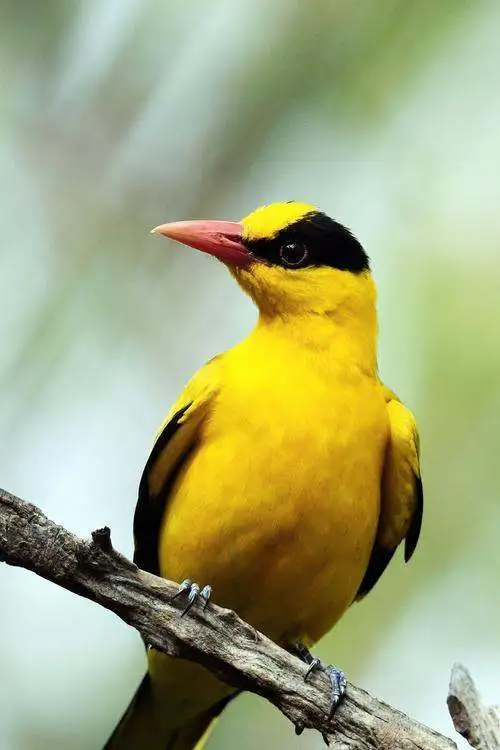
[{"x": 119, "y": 115}]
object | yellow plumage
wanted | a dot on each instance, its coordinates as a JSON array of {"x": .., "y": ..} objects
[
  {"x": 265, "y": 222},
  {"x": 284, "y": 476}
]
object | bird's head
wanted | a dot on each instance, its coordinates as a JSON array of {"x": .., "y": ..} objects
[{"x": 290, "y": 257}]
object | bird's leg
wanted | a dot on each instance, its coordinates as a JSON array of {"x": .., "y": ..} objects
[
  {"x": 193, "y": 593},
  {"x": 336, "y": 677}
]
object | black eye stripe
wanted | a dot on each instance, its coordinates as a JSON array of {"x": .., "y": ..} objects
[{"x": 328, "y": 243}]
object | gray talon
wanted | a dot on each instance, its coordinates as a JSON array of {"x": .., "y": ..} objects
[
  {"x": 313, "y": 666},
  {"x": 186, "y": 584},
  {"x": 337, "y": 679},
  {"x": 338, "y": 685},
  {"x": 205, "y": 594},
  {"x": 194, "y": 593}
]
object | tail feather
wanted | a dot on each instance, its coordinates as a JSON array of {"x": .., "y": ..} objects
[
  {"x": 137, "y": 729},
  {"x": 194, "y": 734}
]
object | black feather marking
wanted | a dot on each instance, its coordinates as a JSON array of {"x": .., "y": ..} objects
[
  {"x": 416, "y": 521},
  {"x": 379, "y": 560},
  {"x": 192, "y": 732},
  {"x": 328, "y": 243},
  {"x": 194, "y": 729},
  {"x": 141, "y": 694},
  {"x": 148, "y": 512},
  {"x": 381, "y": 557}
]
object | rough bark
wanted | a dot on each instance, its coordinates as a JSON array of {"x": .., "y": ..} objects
[
  {"x": 214, "y": 637},
  {"x": 479, "y": 724}
]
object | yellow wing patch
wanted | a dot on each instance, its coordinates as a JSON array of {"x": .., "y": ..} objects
[
  {"x": 401, "y": 493},
  {"x": 188, "y": 411},
  {"x": 265, "y": 222},
  {"x": 401, "y": 471},
  {"x": 198, "y": 392}
]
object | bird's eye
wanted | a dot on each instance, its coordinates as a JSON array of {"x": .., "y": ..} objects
[{"x": 293, "y": 254}]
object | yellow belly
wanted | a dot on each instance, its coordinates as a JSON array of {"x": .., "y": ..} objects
[
  {"x": 279, "y": 512},
  {"x": 276, "y": 508}
]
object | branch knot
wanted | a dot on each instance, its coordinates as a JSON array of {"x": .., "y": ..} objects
[{"x": 102, "y": 539}]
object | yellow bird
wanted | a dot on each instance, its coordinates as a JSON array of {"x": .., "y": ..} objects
[{"x": 286, "y": 474}]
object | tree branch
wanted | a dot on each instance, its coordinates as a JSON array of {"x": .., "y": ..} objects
[
  {"x": 479, "y": 724},
  {"x": 214, "y": 637}
]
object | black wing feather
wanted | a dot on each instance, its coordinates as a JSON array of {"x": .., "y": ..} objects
[
  {"x": 381, "y": 557},
  {"x": 416, "y": 521},
  {"x": 379, "y": 560},
  {"x": 149, "y": 513}
]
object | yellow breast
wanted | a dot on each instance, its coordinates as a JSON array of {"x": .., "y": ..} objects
[{"x": 278, "y": 505}]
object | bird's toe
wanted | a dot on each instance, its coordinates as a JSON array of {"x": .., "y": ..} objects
[
  {"x": 338, "y": 686},
  {"x": 337, "y": 679},
  {"x": 193, "y": 593}
]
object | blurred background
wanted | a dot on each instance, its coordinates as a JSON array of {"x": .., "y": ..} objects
[{"x": 117, "y": 115}]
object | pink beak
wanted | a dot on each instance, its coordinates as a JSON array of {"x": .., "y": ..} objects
[{"x": 219, "y": 238}]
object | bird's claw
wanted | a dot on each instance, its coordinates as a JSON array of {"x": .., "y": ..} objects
[
  {"x": 194, "y": 593},
  {"x": 337, "y": 679},
  {"x": 186, "y": 584},
  {"x": 314, "y": 665}
]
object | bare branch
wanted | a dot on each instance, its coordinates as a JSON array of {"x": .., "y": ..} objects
[
  {"x": 214, "y": 637},
  {"x": 479, "y": 724}
]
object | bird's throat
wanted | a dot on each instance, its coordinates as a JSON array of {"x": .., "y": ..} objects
[{"x": 333, "y": 340}]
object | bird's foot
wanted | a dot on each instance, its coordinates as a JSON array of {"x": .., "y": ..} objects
[
  {"x": 194, "y": 592},
  {"x": 336, "y": 676}
]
